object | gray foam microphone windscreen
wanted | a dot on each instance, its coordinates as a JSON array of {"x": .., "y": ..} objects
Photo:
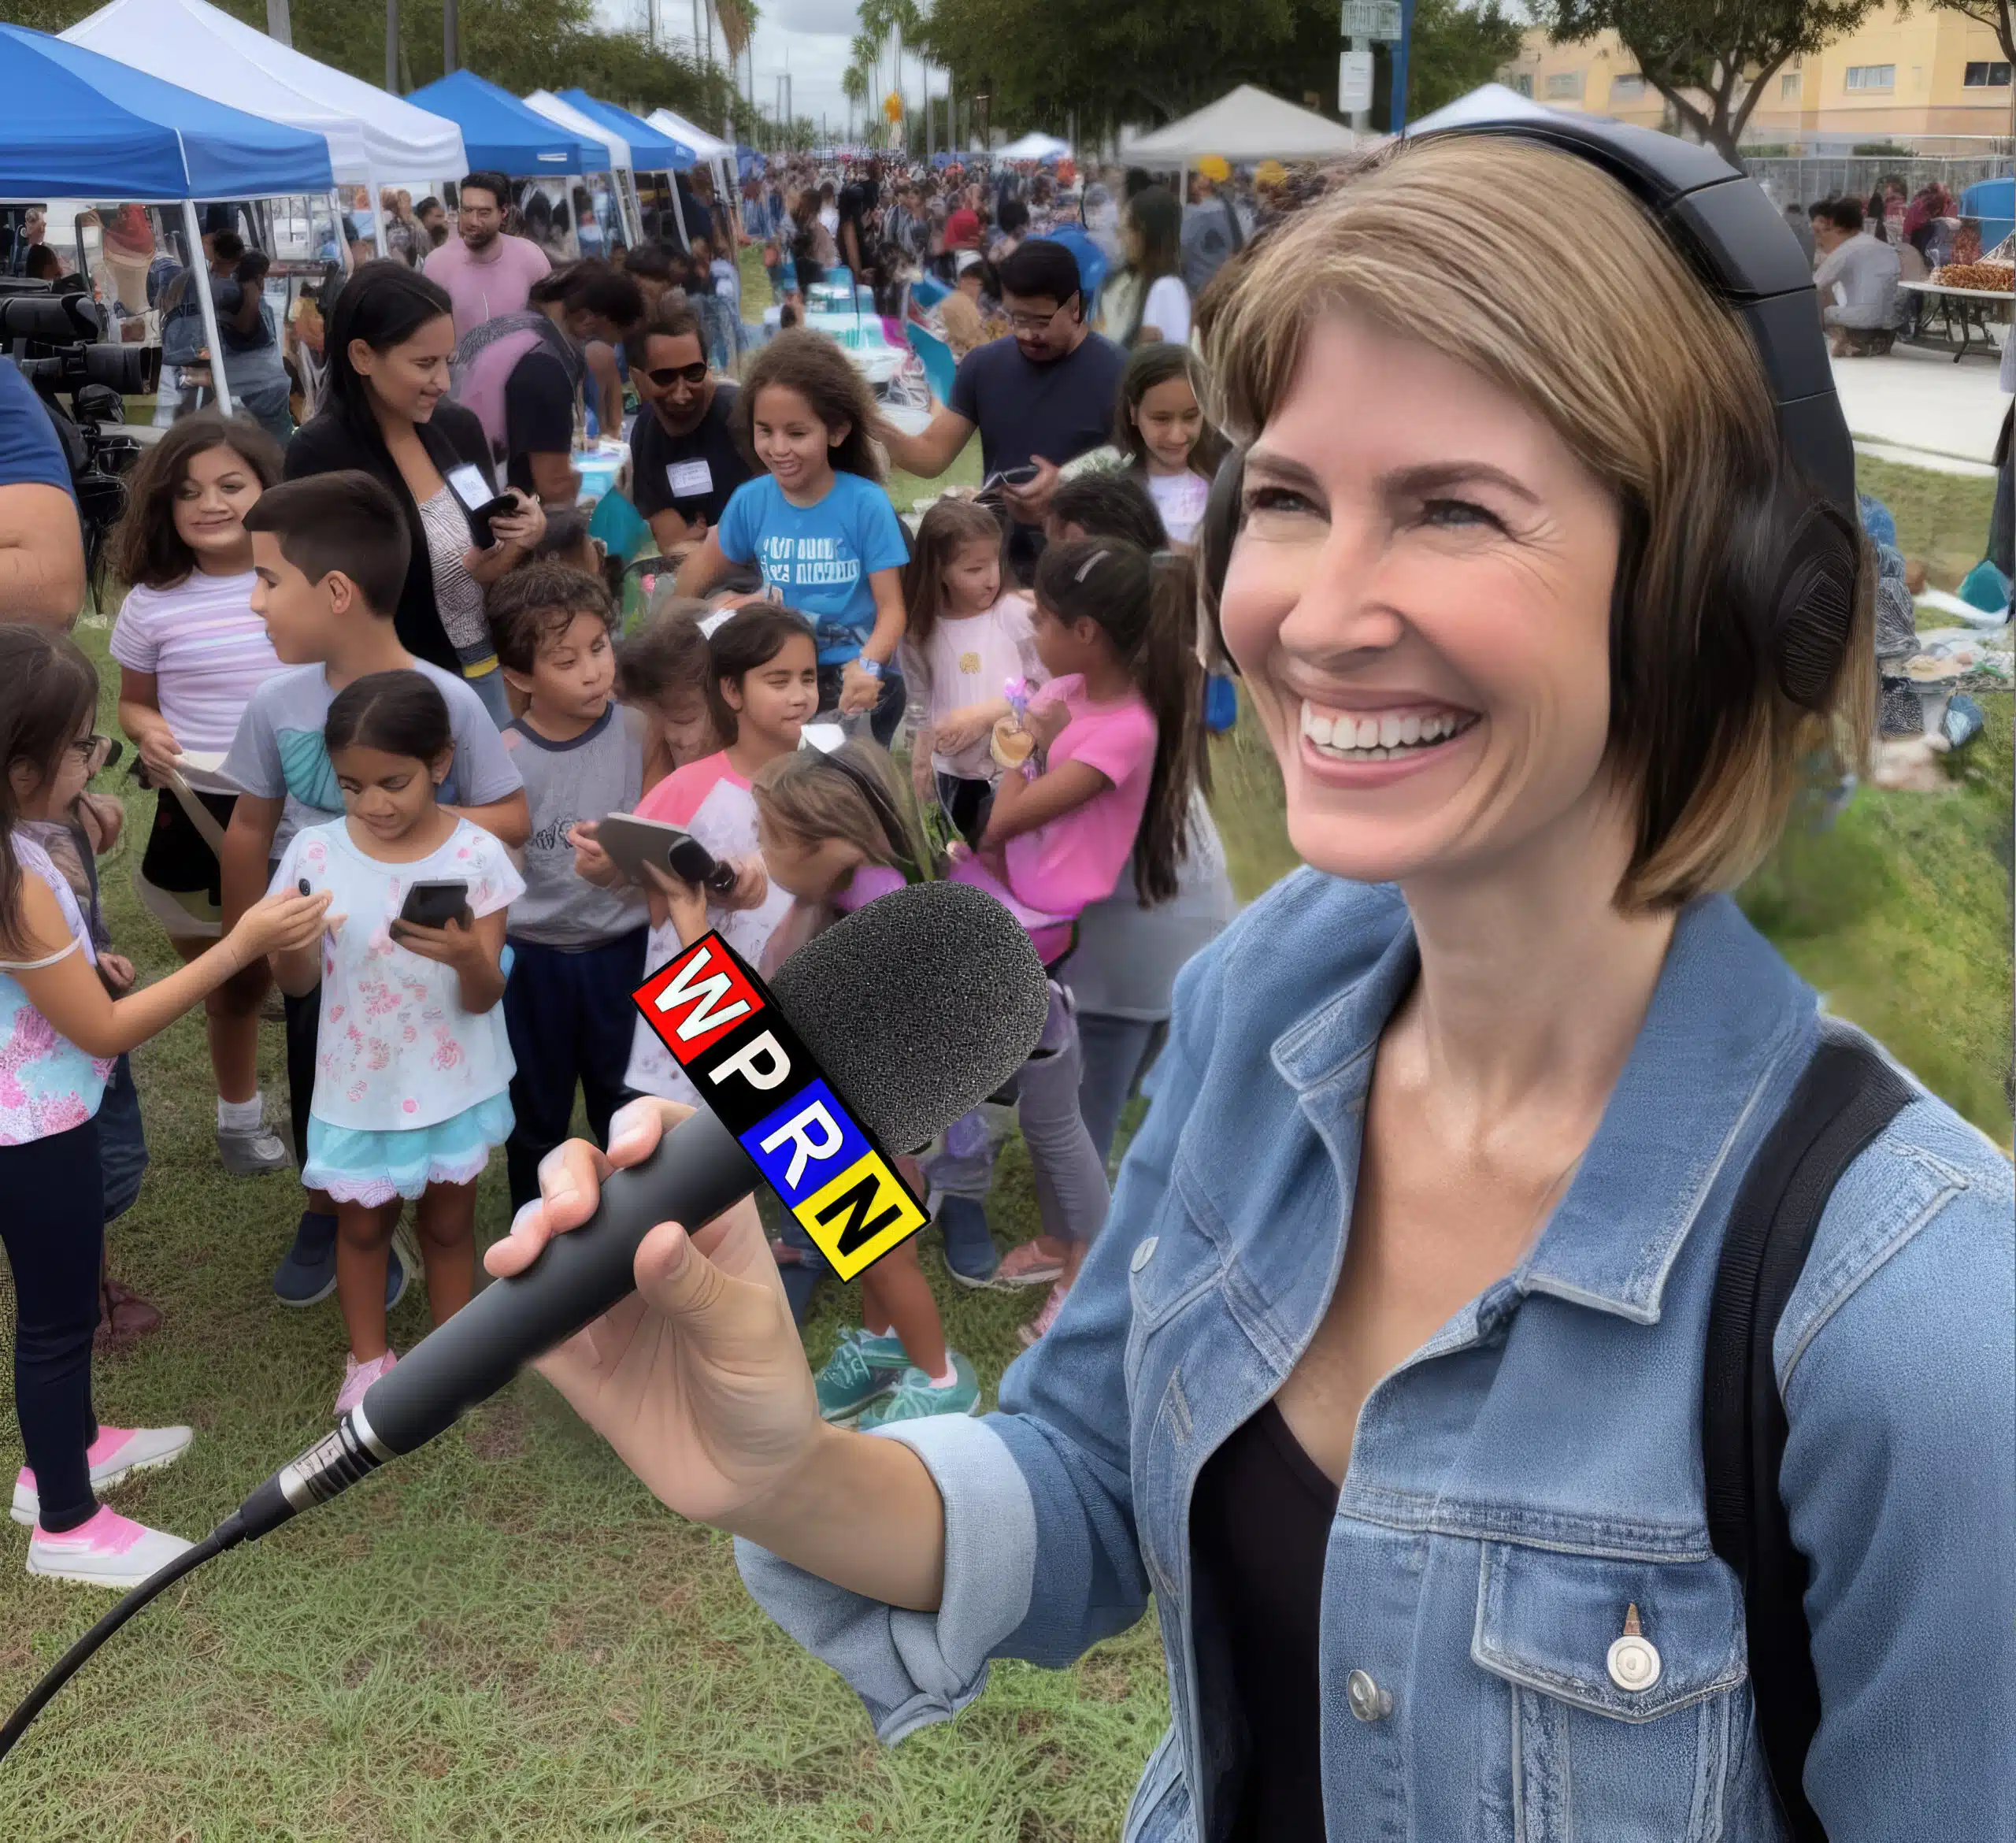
[{"x": 918, "y": 1005}]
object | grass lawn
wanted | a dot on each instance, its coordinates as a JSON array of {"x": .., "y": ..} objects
[{"x": 515, "y": 1640}]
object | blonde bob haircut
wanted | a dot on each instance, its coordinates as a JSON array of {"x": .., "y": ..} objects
[{"x": 1548, "y": 278}]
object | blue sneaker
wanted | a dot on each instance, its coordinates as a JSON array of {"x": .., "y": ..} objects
[
  {"x": 970, "y": 1254},
  {"x": 862, "y": 1368},
  {"x": 307, "y": 1272},
  {"x": 913, "y": 1396}
]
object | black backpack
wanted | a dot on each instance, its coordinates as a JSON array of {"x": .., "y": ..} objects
[{"x": 1846, "y": 1096}]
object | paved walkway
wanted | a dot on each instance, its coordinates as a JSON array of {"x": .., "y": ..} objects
[{"x": 1918, "y": 407}]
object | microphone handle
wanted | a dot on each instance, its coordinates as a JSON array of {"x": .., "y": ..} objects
[{"x": 698, "y": 1170}]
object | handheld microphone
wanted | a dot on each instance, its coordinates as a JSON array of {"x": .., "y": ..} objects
[{"x": 878, "y": 1032}]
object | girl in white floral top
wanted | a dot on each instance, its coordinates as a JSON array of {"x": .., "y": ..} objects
[
  {"x": 414, "y": 1067},
  {"x": 60, "y": 1031}
]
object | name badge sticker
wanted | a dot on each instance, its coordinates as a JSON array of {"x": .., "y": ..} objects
[{"x": 689, "y": 480}]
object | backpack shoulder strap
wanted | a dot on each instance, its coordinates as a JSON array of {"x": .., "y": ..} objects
[{"x": 1846, "y": 1096}]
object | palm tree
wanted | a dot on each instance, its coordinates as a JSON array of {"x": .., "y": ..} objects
[
  {"x": 854, "y": 86},
  {"x": 739, "y": 18}
]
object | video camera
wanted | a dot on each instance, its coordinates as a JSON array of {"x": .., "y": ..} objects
[{"x": 58, "y": 340}]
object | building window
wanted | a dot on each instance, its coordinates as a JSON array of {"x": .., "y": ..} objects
[
  {"x": 1788, "y": 87},
  {"x": 1520, "y": 82},
  {"x": 1872, "y": 77},
  {"x": 1564, "y": 83},
  {"x": 1627, "y": 89},
  {"x": 1988, "y": 77}
]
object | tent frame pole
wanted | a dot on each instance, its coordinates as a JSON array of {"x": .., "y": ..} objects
[
  {"x": 192, "y": 228},
  {"x": 377, "y": 211}
]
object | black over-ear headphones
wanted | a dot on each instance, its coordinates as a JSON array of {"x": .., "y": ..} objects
[{"x": 1796, "y": 555}]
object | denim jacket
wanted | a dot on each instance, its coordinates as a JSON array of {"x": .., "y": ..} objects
[{"x": 1534, "y": 1469}]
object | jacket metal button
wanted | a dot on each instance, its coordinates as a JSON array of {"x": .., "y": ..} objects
[
  {"x": 1369, "y": 1702},
  {"x": 1141, "y": 1255},
  {"x": 1634, "y": 1661}
]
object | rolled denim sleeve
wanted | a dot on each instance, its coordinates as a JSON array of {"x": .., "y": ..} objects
[
  {"x": 1898, "y": 1359},
  {"x": 1041, "y": 1561}
]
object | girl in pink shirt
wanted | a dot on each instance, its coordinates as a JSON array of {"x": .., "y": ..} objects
[{"x": 1118, "y": 747}]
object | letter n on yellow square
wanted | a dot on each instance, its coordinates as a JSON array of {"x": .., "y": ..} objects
[{"x": 860, "y": 1216}]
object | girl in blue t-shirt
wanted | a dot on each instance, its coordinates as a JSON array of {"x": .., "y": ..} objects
[{"x": 817, "y": 522}]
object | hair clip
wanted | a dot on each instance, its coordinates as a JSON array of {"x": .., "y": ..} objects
[
  {"x": 707, "y": 623},
  {"x": 1090, "y": 564}
]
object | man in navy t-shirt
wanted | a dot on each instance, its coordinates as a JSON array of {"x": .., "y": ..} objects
[
  {"x": 42, "y": 550},
  {"x": 1041, "y": 398}
]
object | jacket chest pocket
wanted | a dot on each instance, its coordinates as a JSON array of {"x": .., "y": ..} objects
[{"x": 1621, "y": 1735}]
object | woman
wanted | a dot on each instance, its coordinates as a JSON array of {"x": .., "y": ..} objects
[
  {"x": 390, "y": 335},
  {"x": 1441, "y": 1150},
  {"x": 1146, "y": 301}
]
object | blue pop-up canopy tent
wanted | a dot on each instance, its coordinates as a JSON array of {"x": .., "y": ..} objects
[
  {"x": 79, "y": 126},
  {"x": 651, "y": 149},
  {"x": 1994, "y": 202},
  {"x": 501, "y": 135}
]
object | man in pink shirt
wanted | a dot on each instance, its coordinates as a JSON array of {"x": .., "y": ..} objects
[{"x": 486, "y": 272}]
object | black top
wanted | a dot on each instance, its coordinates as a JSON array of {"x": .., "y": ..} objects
[
  {"x": 1057, "y": 410},
  {"x": 329, "y": 443},
  {"x": 538, "y": 414},
  {"x": 1260, "y": 1521},
  {"x": 692, "y": 474}
]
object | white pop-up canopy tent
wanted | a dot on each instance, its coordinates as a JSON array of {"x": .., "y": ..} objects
[
  {"x": 1248, "y": 125},
  {"x": 1487, "y": 102},
  {"x": 1034, "y": 146},
  {"x": 372, "y": 137},
  {"x": 711, "y": 149},
  {"x": 622, "y": 172}
]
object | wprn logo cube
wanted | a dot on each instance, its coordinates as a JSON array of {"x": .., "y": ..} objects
[{"x": 710, "y": 1011}]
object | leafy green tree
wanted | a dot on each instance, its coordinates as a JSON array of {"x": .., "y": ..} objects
[{"x": 1711, "y": 60}]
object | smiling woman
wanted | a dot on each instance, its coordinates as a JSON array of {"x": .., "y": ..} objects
[{"x": 1386, "y": 1374}]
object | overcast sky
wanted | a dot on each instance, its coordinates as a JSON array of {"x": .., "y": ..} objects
[{"x": 808, "y": 38}]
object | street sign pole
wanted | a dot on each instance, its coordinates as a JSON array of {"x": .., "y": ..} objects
[{"x": 1398, "y": 110}]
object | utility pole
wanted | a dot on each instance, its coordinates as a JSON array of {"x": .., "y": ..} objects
[
  {"x": 278, "y": 26},
  {"x": 392, "y": 46},
  {"x": 451, "y": 34}
]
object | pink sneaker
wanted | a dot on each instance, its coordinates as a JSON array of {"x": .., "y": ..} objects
[
  {"x": 109, "y": 1550},
  {"x": 358, "y": 1377},
  {"x": 116, "y": 1451},
  {"x": 1053, "y": 1303}
]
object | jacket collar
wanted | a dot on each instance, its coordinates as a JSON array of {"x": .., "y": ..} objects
[{"x": 1726, "y": 1016}]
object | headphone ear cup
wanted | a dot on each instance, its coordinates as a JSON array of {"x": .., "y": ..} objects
[
  {"x": 1216, "y": 535},
  {"x": 1810, "y": 608}
]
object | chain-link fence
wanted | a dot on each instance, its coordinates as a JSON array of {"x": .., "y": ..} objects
[{"x": 1806, "y": 178}]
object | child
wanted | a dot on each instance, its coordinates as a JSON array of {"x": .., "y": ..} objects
[
  {"x": 1160, "y": 426},
  {"x": 963, "y": 641},
  {"x": 762, "y": 688},
  {"x": 1120, "y": 724},
  {"x": 578, "y": 950},
  {"x": 191, "y": 654},
  {"x": 662, "y": 672},
  {"x": 330, "y": 555},
  {"x": 818, "y": 521},
  {"x": 414, "y": 1064},
  {"x": 833, "y": 838},
  {"x": 60, "y": 1031}
]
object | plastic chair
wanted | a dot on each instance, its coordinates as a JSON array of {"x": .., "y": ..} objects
[{"x": 939, "y": 366}]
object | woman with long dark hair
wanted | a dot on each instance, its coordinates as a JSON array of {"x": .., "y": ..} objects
[
  {"x": 392, "y": 334},
  {"x": 1146, "y": 300}
]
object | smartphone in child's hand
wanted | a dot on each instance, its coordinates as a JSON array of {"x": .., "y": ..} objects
[
  {"x": 633, "y": 843},
  {"x": 435, "y": 905}
]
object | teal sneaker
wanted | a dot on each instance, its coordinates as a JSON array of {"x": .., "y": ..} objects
[
  {"x": 913, "y": 1397},
  {"x": 860, "y": 1369}
]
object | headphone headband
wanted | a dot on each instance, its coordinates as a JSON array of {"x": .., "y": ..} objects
[{"x": 1724, "y": 226}]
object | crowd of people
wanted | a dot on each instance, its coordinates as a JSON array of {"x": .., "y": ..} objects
[{"x": 381, "y": 652}]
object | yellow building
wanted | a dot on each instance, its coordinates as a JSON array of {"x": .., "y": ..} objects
[{"x": 1922, "y": 72}]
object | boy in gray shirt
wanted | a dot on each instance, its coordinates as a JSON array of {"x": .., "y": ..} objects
[{"x": 577, "y": 950}]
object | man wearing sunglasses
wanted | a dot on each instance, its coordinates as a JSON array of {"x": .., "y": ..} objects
[{"x": 684, "y": 459}]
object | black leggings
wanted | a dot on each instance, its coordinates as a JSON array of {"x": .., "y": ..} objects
[{"x": 55, "y": 1245}]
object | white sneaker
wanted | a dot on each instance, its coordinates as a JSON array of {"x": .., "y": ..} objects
[
  {"x": 116, "y": 1451},
  {"x": 109, "y": 1550}
]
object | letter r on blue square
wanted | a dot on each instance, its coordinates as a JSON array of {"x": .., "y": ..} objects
[{"x": 814, "y": 1140}]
